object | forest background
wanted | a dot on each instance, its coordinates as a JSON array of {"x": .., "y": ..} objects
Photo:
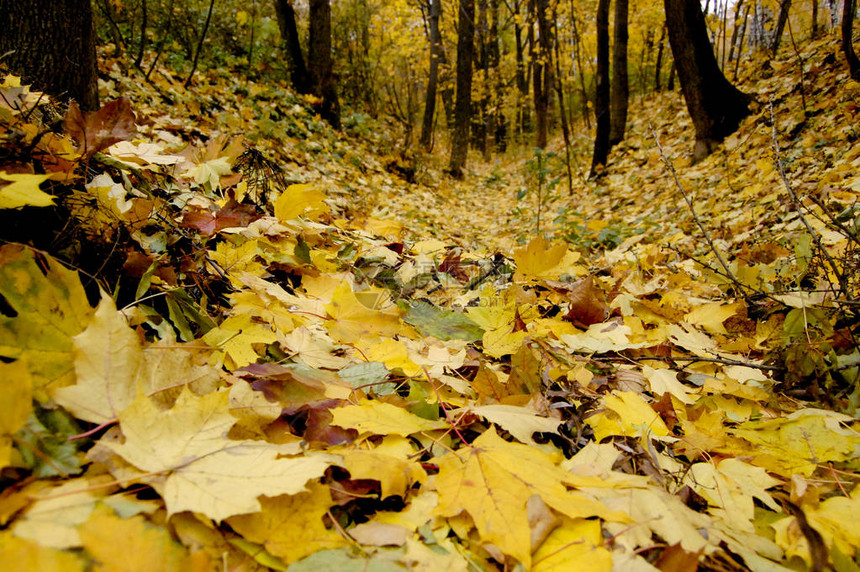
[{"x": 405, "y": 285}]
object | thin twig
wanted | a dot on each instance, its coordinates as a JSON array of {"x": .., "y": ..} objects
[
  {"x": 843, "y": 286},
  {"x": 722, "y": 361},
  {"x": 689, "y": 202}
]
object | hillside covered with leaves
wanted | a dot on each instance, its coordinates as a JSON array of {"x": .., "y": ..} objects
[{"x": 236, "y": 339}]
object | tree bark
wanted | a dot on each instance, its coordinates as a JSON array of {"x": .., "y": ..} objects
[
  {"x": 542, "y": 78},
  {"x": 814, "y": 18},
  {"x": 848, "y": 7},
  {"x": 433, "y": 80},
  {"x": 784, "y": 8},
  {"x": 523, "y": 118},
  {"x": 715, "y": 105},
  {"x": 463, "y": 105},
  {"x": 620, "y": 85},
  {"x": 290, "y": 36},
  {"x": 735, "y": 28},
  {"x": 601, "y": 97},
  {"x": 320, "y": 61},
  {"x": 659, "y": 64},
  {"x": 51, "y": 44}
]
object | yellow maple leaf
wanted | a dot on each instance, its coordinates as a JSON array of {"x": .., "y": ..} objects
[
  {"x": 732, "y": 485},
  {"x": 799, "y": 443},
  {"x": 22, "y": 554},
  {"x": 395, "y": 475},
  {"x": 52, "y": 521},
  {"x": 188, "y": 458},
  {"x": 576, "y": 544},
  {"x": 540, "y": 259},
  {"x": 237, "y": 336},
  {"x": 298, "y": 200},
  {"x": 51, "y": 308},
  {"x": 712, "y": 315},
  {"x": 393, "y": 353},
  {"x": 107, "y": 359},
  {"x": 492, "y": 480},
  {"x": 521, "y": 422},
  {"x": 353, "y": 318},
  {"x": 16, "y": 395},
  {"x": 631, "y": 415},
  {"x": 655, "y": 511},
  {"x": 23, "y": 191},
  {"x": 382, "y": 419},
  {"x": 291, "y": 526},
  {"x": 133, "y": 545}
]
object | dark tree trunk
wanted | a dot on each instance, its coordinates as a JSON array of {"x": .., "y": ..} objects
[
  {"x": 290, "y": 36},
  {"x": 463, "y": 106},
  {"x": 601, "y": 96},
  {"x": 577, "y": 50},
  {"x": 735, "y": 29},
  {"x": 499, "y": 127},
  {"x": 523, "y": 118},
  {"x": 784, "y": 8},
  {"x": 320, "y": 62},
  {"x": 565, "y": 126},
  {"x": 814, "y": 18},
  {"x": 620, "y": 85},
  {"x": 715, "y": 105},
  {"x": 435, "y": 56},
  {"x": 542, "y": 78},
  {"x": 51, "y": 44},
  {"x": 659, "y": 64},
  {"x": 480, "y": 117},
  {"x": 848, "y": 7}
]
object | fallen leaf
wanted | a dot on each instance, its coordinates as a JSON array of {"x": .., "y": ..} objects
[{"x": 185, "y": 454}]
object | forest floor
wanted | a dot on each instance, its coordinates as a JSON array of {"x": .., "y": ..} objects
[{"x": 314, "y": 351}]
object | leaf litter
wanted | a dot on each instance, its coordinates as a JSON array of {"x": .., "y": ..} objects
[{"x": 319, "y": 367}]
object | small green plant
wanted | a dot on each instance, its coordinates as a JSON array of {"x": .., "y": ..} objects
[{"x": 545, "y": 173}]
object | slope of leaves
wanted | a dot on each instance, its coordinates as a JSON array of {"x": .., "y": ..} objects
[{"x": 323, "y": 367}]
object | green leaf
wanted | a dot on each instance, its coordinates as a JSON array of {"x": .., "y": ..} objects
[{"x": 443, "y": 324}]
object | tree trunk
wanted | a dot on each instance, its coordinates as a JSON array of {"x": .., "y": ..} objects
[
  {"x": 433, "y": 80},
  {"x": 494, "y": 54},
  {"x": 290, "y": 36},
  {"x": 320, "y": 62},
  {"x": 523, "y": 118},
  {"x": 601, "y": 97},
  {"x": 620, "y": 86},
  {"x": 51, "y": 44},
  {"x": 814, "y": 18},
  {"x": 659, "y": 64},
  {"x": 480, "y": 118},
  {"x": 542, "y": 78},
  {"x": 848, "y": 7},
  {"x": 784, "y": 8},
  {"x": 715, "y": 105},
  {"x": 735, "y": 28},
  {"x": 463, "y": 106},
  {"x": 577, "y": 51}
]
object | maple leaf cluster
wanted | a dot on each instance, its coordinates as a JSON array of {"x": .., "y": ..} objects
[{"x": 278, "y": 382}]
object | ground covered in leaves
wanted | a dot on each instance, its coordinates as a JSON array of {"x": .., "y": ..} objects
[{"x": 234, "y": 339}]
